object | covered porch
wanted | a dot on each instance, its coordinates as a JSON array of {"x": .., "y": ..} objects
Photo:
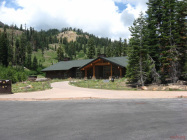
[{"x": 101, "y": 68}]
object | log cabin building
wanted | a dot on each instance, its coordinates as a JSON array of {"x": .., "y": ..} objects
[{"x": 99, "y": 68}]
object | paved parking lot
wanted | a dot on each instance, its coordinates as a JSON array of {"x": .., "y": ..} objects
[{"x": 129, "y": 119}]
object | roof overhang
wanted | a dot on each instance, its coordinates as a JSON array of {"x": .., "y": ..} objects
[{"x": 82, "y": 68}]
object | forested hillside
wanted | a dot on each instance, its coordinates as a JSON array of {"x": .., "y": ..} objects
[
  {"x": 23, "y": 45},
  {"x": 25, "y": 48}
]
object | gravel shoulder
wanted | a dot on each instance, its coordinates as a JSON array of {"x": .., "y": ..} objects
[{"x": 64, "y": 91}]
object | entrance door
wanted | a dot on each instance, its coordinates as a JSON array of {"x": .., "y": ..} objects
[{"x": 99, "y": 72}]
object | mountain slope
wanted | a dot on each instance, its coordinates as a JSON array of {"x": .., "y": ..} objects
[{"x": 70, "y": 35}]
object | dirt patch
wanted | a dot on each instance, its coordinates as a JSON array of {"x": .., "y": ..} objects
[
  {"x": 16, "y": 32},
  {"x": 70, "y": 35}
]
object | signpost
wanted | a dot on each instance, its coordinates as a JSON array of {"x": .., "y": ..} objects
[{"x": 6, "y": 86}]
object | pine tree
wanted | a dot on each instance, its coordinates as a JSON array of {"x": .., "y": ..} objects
[
  {"x": 21, "y": 27},
  {"x": 29, "y": 53},
  {"x": 22, "y": 50},
  {"x": 60, "y": 53},
  {"x": 71, "y": 50},
  {"x": 1, "y": 49},
  {"x": 116, "y": 47},
  {"x": 10, "y": 47},
  {"x": 91, "y": 49},
  {"x": 17, "y": 52},
  {"x": 166, "y": 37},
  {"x": 125, "y": 46},
  {"x": 180, "y": 37},
  {"x": 35, "y": 63},
  {"x": 65, "y": 41},
  {"x": 98, "y": 50},
  {"x": 170, "y": 52},
  {"x": 4, "y": 45},
  {"x": 132, "y": 72},
  {"x": 137, "y": 69},
  {"x": 154, "y": 21},
  {"x": 104, "y": 50},
  {"x": 84, "y": 49},
  {"x": 109, "y": 51},
  {"x": 119, "y": 48}
]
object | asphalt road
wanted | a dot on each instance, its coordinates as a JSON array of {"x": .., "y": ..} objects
[{"x": 142, "y": 119}]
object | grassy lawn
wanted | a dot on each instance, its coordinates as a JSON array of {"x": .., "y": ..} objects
[
  {"x": 28, "y": 86},
  {"x": 118, "y": 84}
]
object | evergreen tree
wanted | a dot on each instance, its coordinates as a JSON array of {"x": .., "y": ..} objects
[
  {"x": 65, "y": 41},
  {"x": 66, "y": 47},
  {"x": 29, "y": 53},
  {"x": 84, "y": 49},
  {"x": 108, "y": 51},
  {"x": 170, "y": 36},
  {"x": 61, "y": 40},
  {"x": 35, "y": 63},
  {"x": 137, "y": 69},
  {"x": 21, "y": 27},
  {"x": 17, "y": 52},
  {"x": 154, "y": 21},
  {"x": 10, "y": 47},
  {"x": 132, "y": 72},
  {"x": 71, "y": 50},
  {"x": 119, "y": 47},
  {"x": 22, "y": 50},
  {"x": 4, "y": 45},
  {"x": 60, "y": 53},
  {"x": 91, "y": 49},
  {"x": 166, "y": 37},
  {"x": 98, "y": 50},
  {"x": 104, "y": 50},
  {"x": 180, "y": 36},
  {"x": 1, "y": 47},
  {"x": 124, "y": 50}
]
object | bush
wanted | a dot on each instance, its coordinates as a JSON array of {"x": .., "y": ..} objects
[{"x": 14, "y": 74}]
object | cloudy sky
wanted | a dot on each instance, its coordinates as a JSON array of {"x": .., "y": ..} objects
[{"x": 103, "y": 18}]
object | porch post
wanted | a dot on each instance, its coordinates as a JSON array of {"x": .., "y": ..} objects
[
  {"x": 93, "y": 72},
  {"x": 111, "y": 70},
  {"x": 85, "y": 76},
  {"x": 120, "y": 72}
]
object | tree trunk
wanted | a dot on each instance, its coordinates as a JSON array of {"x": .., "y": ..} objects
[{"x": 141, "y": 71}]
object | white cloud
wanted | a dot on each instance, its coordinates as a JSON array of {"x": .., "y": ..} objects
[{"x": 99, "y": 17}]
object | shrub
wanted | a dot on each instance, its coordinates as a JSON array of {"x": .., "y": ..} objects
[{"x": 14, "y": 74}]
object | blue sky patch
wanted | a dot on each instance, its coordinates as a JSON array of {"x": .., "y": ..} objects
[
  {"x": 121, "y": 6},
  {"x": 11, "y": 4}
]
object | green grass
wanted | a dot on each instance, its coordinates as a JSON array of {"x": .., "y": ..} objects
[
  {"x": 118, "y": 84},
  {"x": 52, "y": 46},
  {"x": 35, "y": 86},
  {"x": 49, "y": 57},
  {"x": 80, "y": 55}
]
